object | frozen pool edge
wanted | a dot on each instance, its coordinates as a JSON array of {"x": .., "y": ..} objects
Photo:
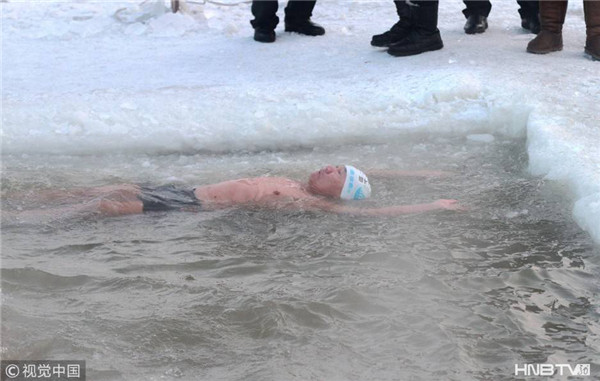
[{"x": 563, "y": 149}]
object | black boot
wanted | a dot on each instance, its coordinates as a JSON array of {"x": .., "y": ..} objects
[
  {"x": 476, "y": 24},
  {"x": 400, "y": 29},
  {"x": 306, "y": 27},
  {"x": 264, "y": 35},
  {"x": 416, "y": 43},
  {"x": 397, "y": 33},
  {"x": 424, "y": 35}
]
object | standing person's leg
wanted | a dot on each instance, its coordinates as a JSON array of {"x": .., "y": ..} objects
[
  {"x": 424, "y": 35},
  {"x": 399, "y": 30},
  {"x": 552, "y": 18},
  {"x": 592, "y": 23},
  {"x": 297, "y": 18},
  {"x": 530, "y": 15},
  {"x": 476, "y": 12},
  {"x": 265, "y": 19}
]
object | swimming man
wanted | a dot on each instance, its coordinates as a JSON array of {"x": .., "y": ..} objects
[{"x": 321, "y": 191}]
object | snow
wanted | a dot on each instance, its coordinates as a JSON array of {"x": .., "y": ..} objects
[{"x": 102, "y": 77}]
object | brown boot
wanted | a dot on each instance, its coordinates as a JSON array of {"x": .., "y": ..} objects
[
  {"x": 592, "y": 23},
  {"x": 552, "y": 17}
]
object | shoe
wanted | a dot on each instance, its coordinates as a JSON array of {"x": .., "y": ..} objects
[
  {"x": 264, "y": 35},
  {"x": 307, "y": 28},
  {"x": 416, "y": 43},
  {"x": 397, "y": 33},
  {"x": 545, "y": 42},
  {"x": 531, "y": 24},
  {"x": 476, "y": 24}
]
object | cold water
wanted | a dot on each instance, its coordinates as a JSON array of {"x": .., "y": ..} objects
[{"x": 247, "y": 294}]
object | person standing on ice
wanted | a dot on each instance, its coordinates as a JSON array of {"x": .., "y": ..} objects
[
  {"x": 552, "y": 16},
  {"x": 477, "y": 12},
  {"x": 297, "y": 19},
  {"x": 416, "y": 32}
]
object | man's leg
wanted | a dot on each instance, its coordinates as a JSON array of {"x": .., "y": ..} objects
[
  {"x": 477, "y": 7},
  {"x": 592, "y": 23},
  {"x": 265, "y": 20},
  {"x": 100, "y": 207},
  {"x": 113, "y": 208},
  {"x": 112, "y": 200},
  {"x": 552, "y": 17},
  {"x": 530, "y": 18},
  {"x": 297, "y": 18},
  {"x": 398, "y": 31},
  {"x": 71, "y": 195},
  {"x": 477, "y": 12},
  {"x": 424, "y": 35}
]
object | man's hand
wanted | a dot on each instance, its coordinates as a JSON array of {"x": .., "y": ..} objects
[{"x": 449, "y": 205}]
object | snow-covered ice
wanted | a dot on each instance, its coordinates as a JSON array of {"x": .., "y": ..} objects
[{"x": 103, "y": 77}]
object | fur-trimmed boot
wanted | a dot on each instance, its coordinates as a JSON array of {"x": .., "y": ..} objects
[{"x": 552, "y": 17}]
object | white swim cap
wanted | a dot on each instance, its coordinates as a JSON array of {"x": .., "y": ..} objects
[{"x": 356, "y": 186}]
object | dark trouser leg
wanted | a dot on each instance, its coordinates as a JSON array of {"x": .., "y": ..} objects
[
  {"x": 424, "y": 16},
  {"x": 298, "y": 11},
  {"x": 265, "y": 14},
  {"x": 529, "y": 8},
  {"x": 402, "y": 9},
  {"x": 529, "y": 12},
  {"x": 297, "y": 18},
  {"x": 477, "y": 8},
  {"x": 592, "y": 22}
]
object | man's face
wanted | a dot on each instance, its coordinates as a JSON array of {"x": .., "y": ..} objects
[{"x": 328, "y": 181}]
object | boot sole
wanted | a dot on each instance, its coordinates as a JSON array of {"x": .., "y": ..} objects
[
  {"x": 544, "y": 51},
  {"x": 476, "y": 31},
  {"x": 384, "y": 45},
  {"x": 304, "y": 34},
  {"x": 264, "y": 40},
  {"x": 415, "y": 52}
]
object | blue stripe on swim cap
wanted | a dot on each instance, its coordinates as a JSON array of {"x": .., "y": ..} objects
[{"x": 359, "y": 194}]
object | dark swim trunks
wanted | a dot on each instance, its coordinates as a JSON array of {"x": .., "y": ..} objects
[{"x": 168, "y": 197}]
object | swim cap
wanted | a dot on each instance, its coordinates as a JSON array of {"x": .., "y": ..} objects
[{"x": 356, "y": 186}]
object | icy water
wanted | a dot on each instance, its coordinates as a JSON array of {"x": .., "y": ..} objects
[{"x": 264, "y": 295}]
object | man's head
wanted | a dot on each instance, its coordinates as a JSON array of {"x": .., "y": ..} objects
[{"x": 343, "y": 181}]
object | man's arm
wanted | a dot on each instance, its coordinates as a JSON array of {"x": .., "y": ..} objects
[
  {"x": 390, "y": 210},
  {"x": 391, "y": 173}
]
